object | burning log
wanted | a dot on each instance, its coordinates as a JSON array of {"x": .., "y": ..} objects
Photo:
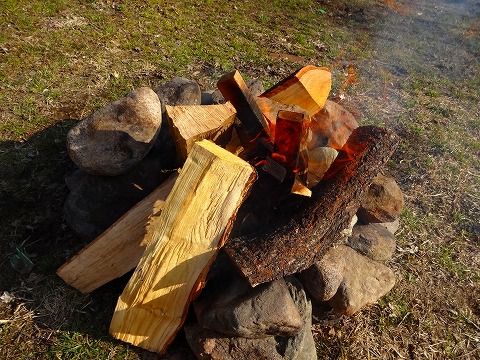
[
  {"x": 233, "y": 88},
  {"x": 318, "y": 221},
  {"x": 119, "y": 248},
  {"x": 194, "y": 224},
  {"x": 308, "y": 88},
  {"x": 291, "y": 132},
  {"x": 189, "y": 124}
]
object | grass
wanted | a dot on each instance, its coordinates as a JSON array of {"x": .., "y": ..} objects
[{"x": 410, "y": 66}]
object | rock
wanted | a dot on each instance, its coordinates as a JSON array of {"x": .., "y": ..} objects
[
  {"x": 208, "y": 344},
  {"x": 331, "y": 126},
  {"x": 96, "y": 202},
  {"x": 206, "y": 98},
  {"x": 391, "y": 226},
  {"x": 373, "y": 241},
  {"x": 115, "y": 138},
  {"x": 301, "y": 346},
  {"x": 382, "y": 203},
  {"x": 319, "y": 160},
  {"x": 364, "y": 282},
  {"x": 323, "y": 278},
  {"x": 179, "y": 91},
  {"x": 233, "y": 307},
  {"x": 255, "y": 86},
  {"x": 217, "y": 97}
]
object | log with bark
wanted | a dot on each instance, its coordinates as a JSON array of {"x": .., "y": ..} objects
[
  {"x": 194, "y": 224},
  {"x": 317, "y": 222}
]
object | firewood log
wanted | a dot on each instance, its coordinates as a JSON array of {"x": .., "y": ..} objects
[
  {"x": 308, "y": 88},
  {"x": 193, "y": 123},
  {"x": 119, "y": 248},
  {"x": 292, "y": 244},
  {"x": 195, "y": 222}
]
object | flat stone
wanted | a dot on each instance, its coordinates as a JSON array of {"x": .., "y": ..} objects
[
  {"x": 364, "y": 282},
  {"x": 179, "y": 91},
  {"x": 383, "y": 201},
  {"x": 209, "y": 344},
  {"x": 233, "y": 307},
  {"x": 374, "y": 241},
  {"x": 115, "y": 138},
  {"x": 331, "y": 126},
  {"x": 323, "y": 278}
]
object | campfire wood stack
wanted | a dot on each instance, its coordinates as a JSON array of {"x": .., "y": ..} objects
[{"x": 174, "y": 234}]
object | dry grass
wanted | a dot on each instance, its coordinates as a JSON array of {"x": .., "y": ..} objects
[{"x": 412, "y": 66}]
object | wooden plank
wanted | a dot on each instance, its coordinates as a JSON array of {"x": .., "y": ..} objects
[
  {"x": 119, "y": 249},
  {"x": 301, "y": 234},
  {"x": 194, "y": 224},
  {"x": 193, "y": 123},
  {"x": 308, "y": 88}
]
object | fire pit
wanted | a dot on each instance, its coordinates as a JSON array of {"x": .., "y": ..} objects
[{"x": 273, "y": 181}]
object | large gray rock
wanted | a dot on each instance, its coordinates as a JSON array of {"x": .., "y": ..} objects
[
  {"x": 364, "y": 282},
  {"x": 179, "y": 91},
  {"x": 373, "y": 241},
  {"x": 235, "y": 308},
  {"x": 115, "y": 138},
  {"x": 382, "y": 203},
  {"x": 208, "y": 344},
  {"x": 96, "y": 202},
  {"x": 301, "y": 346},
  {"x": 323, "y": 278}
]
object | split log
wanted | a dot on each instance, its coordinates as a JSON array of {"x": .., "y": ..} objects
[
  {"x": 194, "y": 224},
  {"x": 189, "y": 124},
  {"x": 233, "y": 88},
  {"x": 318, "y": 222},
  {"x": 271, "y": 108},
  {"x": 119, "y": 248},
  {"x": 308, "y": 88}
]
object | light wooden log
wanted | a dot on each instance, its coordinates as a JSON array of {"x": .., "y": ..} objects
[
  {"x": 308, "y": 88},
  {"x": 119, "y": 248},
  {"x": 193, "y": 123},
  {"x": 194, "y": 224}
]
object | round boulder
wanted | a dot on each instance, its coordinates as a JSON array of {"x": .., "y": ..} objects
[{"x": 115, "y": 138}]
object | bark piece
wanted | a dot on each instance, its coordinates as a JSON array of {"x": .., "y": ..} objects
[
  {"x": 189, "y": 124},
  {"x": 194, "y": 224},
  {"x": 119, "y": 249},
  {"x": 292, "y": 244},
  {"x": 308, "y": 88}
]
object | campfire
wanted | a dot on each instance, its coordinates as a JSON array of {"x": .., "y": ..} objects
[{"x": 269, "y": 181}]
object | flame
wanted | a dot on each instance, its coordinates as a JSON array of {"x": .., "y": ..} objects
[
  {"x": 396, "y": 7},
  {"x": 351, "y": 79}
]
